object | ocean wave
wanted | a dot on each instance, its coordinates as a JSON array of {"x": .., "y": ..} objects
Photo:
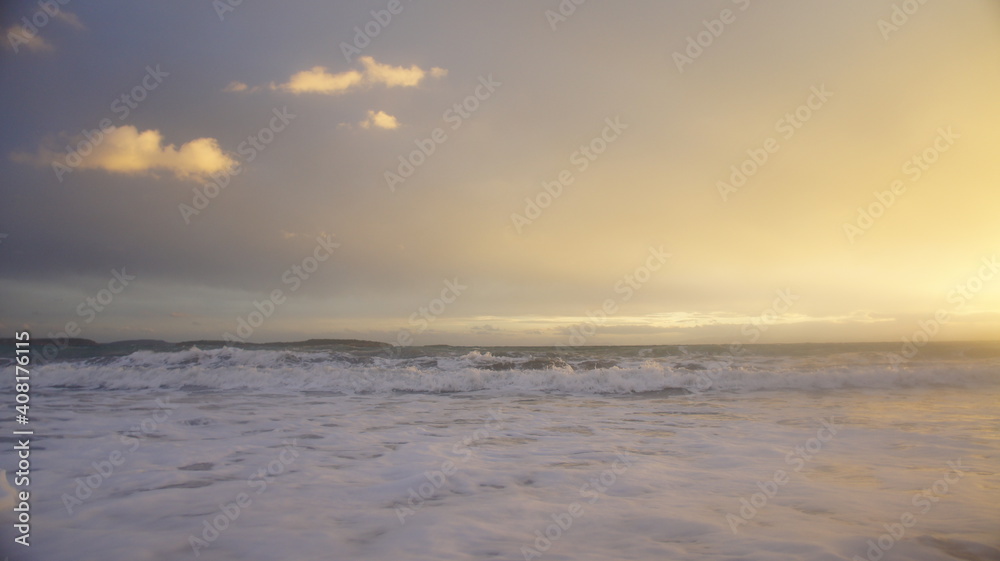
[{"x": 482, "y": 371}]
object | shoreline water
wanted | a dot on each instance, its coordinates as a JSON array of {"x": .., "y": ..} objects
[{"x": 328, "y": 452}]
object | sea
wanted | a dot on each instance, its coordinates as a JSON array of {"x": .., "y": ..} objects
[{"x": 333, "y": 450}]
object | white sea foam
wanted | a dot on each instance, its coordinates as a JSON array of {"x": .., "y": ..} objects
[
  {"x": 534, "y": 455},
  {"x": 475, "y": 371},
  {"x": 467, "y": 476}
]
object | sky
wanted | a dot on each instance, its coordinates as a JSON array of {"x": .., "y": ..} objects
[{"x": 501, "y": 173}]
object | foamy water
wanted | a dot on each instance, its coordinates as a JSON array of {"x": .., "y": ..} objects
[{"x": 660, "y": 453}]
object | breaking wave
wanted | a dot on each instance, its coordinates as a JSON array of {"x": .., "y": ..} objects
[{"x": 454, "y": 370}]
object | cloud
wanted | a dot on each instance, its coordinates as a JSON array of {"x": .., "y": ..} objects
[
  {"x": 319, "y": 80},
  {"x": 126, "y": 150},
  {"x": 69, "y": 19},
  {"x": 18, "y": 36},
  {"x": 616, "y": 329},
  {"x": 238, "y": 87},
  {"x": 286, "y": 235},
  {"x": 391, "y": 76},
  {"x": 380, "y": 120}
]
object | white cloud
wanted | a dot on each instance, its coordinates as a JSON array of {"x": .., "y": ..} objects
[
  {"x": 380, "y": 120},
  {"x": 126, "y": 150},
  {"x": 391, "y": 76},
  {"x": 319, "y": 79},
  {"x": 235, "y": 87},
  {"x": 18, "y": 36}
]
